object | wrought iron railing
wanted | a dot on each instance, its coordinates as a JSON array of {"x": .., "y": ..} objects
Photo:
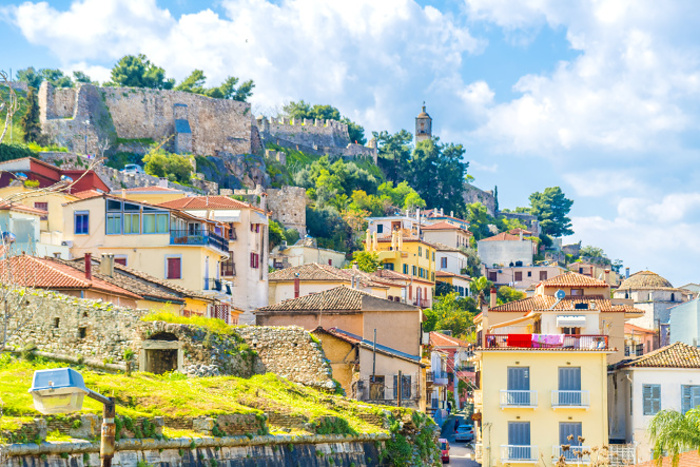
[{"x": 185, "y": 237}]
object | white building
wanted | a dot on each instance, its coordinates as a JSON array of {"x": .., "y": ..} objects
[
  {"x": 506, "y": 249},
  {"x": 667, "y": 378},
  {"x": 305, "y": 251}
]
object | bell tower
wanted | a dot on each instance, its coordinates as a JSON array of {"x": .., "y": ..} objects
[{"x": 423, "y": 126}]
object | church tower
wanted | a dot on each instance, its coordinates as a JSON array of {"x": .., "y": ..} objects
[{"x": 423, "y": 126}]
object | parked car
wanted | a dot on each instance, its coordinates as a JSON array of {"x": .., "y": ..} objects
[
  {"x": 464, "y": 433},
  {"x": 445, "y": 448},
  {"x": 133, "y": 169}
]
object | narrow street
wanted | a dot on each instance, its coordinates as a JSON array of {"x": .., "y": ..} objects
[{"x": 461, "y": 453}]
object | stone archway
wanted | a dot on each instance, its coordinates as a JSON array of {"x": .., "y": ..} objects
[{"x": 161, "y": 353}]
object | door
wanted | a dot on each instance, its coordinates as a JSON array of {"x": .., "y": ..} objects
[
  {"x": 518, "y": 386},
  {"x": 570, "y": 386},
  {"x": 519, "y": 441},
  {"x": 570, "y": 434}
]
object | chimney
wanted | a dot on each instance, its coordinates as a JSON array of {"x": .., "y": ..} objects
[
  {"x": 521, "y": 235},
  {"x": 107, "y": 264},
  {"x": 442, "y": 212},
  {"x": 354, "y": 266},
  {"x": 123, "y": 193},
  {"x": 163, "y": 182},
  {"x": 494, "y": 295},
  {"x": 88, "y": 266},
  {"x": 296, "y": 285},
  {"x": 627, "y": 273},
  {"x": 452, "y": 213},
  {"x": 606, "y": 276}
]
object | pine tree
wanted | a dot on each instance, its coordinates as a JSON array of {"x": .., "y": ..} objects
[{"x": 30, "y": 120}]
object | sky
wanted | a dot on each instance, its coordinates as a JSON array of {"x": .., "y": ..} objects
[{"x": 601, "y": 98}]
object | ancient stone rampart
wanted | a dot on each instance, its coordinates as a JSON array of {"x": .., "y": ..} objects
[
  {"x": 288, "y": 206},
  {"x": 473, "y": 194}
]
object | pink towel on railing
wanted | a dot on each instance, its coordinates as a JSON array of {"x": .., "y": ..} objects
[
  {"x": 519, "y": 340},
  {"x": 547, "y": 340}
]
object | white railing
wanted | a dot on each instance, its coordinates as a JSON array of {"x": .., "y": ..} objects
[
  {"x": 571, "y": 399},
  {"x": 572, "y": 455},
  {"x": 510, "y": 398},
  {"x": 511, "y": 453},
  {"x": 622, "y": 454}
]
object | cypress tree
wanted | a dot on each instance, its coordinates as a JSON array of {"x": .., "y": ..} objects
[{"x": 30, "y": 120}]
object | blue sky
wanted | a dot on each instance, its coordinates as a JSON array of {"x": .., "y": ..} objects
[{"x": 599, "y": 97}]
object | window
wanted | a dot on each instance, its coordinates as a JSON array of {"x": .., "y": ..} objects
[
  {"x": 443, "y": 262},
  {"x": 174, "y": 268},
  {"x": 254, "y": 260},
  {"x": 519, "y": 441},
  {"x": 82, "y": 223},
  {"x": 651, "y": 395},
  {"x": 518, "y": 276},
  {"x": 405, "y": 386},
  {"x": 228, "y": 267},
  {"x": 132, "y": 223},
  {"x": 432, "y": 276},
  {"x": 543, "y": 275},
  {"x": 570, "y": 434},
  {"x": 155, "y": 223},
  {"x": 114, "y": 205},
  {"x": 493, "y": 276},
  {"x": 330, "y": 262},
  {"x": 380, "y": 228},
  {"x": 120, "y": 260},
  {"x": 571, "y": 331},
  {"x": 576, "y": 292},
  {"x": 570, "y": 386},
  {"x": 690, "y": 397},
  {"x": 433, "y": 256},
  {"x": 519, "y": 386},
  {"x": 114, "y": 224},
  {"x": 420, "y": 251},
  {"x": 45, "y": 207},
  {"x": 420, "y": 272},
  {"x": 414, "y": 270},
  {"x": 529, "y": 274},
  {"x": 405, "y": 269},
  {"x": 389, "y": 266}
]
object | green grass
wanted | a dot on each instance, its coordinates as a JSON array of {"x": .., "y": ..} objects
[
  {"x": 148, "y": 395},
  {"x": 214, "y": 325}
]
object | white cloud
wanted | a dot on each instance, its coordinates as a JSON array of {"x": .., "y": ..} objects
[{"x": 601, "y": 182}]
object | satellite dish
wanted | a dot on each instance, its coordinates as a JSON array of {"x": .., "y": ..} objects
[{"x": 560, "y": 294}]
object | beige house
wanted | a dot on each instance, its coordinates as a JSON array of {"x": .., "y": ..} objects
[
  {"x": 448, "y": 234},
  {"x": 597, "y": 271},
  {"x": 369, "y": 372},
  {"x": 246, "y": 267},
  {"x": 397, "y": 325},
  {"x": 505, "y": 249},
  {"x": 314, "y": 278},
  {"x": 305, "y": 251}
]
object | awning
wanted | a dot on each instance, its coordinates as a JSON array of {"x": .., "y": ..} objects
[{"x": 573, "y": 321}]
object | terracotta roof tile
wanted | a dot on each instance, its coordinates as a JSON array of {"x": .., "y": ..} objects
[
  {"x": 22, "y": 208},
  {"x": 322, "y": 272},
  {"x": 438, "y": 339},
  {"x": 646, "y": 280},
  {"x": 676, "y": 355},
  {"x": 631, "y": 329},
  {"x": 545, "y": 302},
  {"x": 338, "y": 299},
  {"x": 207, "y": 202},
  {"x": 398, "y": 278},
  {"x": 153, "y": 188},
  {"x": 502, "y": 237},
  {"x": 574, "y": 279},
  {"x": 451, "y": 274},
  {"x": 87, "y": 194},
  {"x": 686, "y": 459},
  {"x": 441, "y": 226},
  {"x": 45, "y": 273}
]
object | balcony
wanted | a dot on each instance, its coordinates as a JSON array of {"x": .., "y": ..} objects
[
  {"x": 511, "y": 453},
  {"x": 518, "y": 399},
  {"x": 572, "y": 455},
  {"x": 429, "y": 377},
  {"x": 548, "y": 341},
  {"x": 185, "y": 237},
  {"x": 571, "y": 399},
  {"x": 423, "y": 303}
]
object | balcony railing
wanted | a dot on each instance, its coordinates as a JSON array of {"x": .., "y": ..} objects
[
  {"x": 548, "y": 341},
  {"x": 573, "y": 454},
  {"x": 185, "y": 237},
  {"x": 512, "y": 453},
  {"x": 574, "y": 399},
  {"x": 511, "y": 398},
  {"x": 423, "y": 303},
  {"x": 429, "y": 376}
]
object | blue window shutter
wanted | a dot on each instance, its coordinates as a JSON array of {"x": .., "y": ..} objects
[
  {"x": 518, "y": 379},
  {"x": 651, "y": 394}
]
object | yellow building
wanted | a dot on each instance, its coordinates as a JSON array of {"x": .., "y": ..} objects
[
  {"x": 409, "y": 255},
  {"x": 168, "y": 244},
  {"x": 542, "y": 365}
]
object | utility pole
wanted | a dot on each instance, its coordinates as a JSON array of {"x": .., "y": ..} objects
[
  {"x": 399, "y": 388},
  {"x": 374, "y": 355}
]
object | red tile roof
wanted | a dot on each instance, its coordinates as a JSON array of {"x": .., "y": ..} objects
[
  {"x": 322, "y": 272},
  {"x": 517, "y": 232},
  {"x": 87, "y": 194},
  {"x": 438, "y": 339},
  {"x": 631, "y": 329},
  {"x": 574, "y": 279},
  {"x": 44, "y": 273},
  {"x": 153, "y": 189},
  {"x": 395, "y": 276},
  {"x": 22, "y": 208},
  {"x": 441, "y": 226},
  {"x": 502, "y": 237},
  {"x": 545, "y": 302},
  {"x": 686, "y": 459},
  {"x": 676, "y": 355},
  {"x": 338, "y": 299},
  {"x": 207, "y": 202}
]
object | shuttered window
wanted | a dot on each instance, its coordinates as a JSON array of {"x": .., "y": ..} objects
[
  {"x": 570, "y": 434},
  {"x": 651, "y": 395},
  {"x": 570, "y": 386},
  {"x": 405, "y": 386},
  {"x": 519, "y": 386},
  {"x": 519, "y": 435},
  {"x": 174, "y": 268},
  {"x": 690, "y": 397}
]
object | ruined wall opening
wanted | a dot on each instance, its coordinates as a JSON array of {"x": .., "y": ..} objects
[{"x": 161, "y": 353}]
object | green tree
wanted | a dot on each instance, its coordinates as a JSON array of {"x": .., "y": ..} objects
[
  {"x": 394, "y": 153},
  {"x": 402, "y": 195},
  {"x": 194, "y": 83},
  {"x": 275, "y": 233},
  {"x": 507, "y": 294},
  {"x": 80, "y": 77},
  {"x": 473, "y": 262},
  {"x": 673, "y": 432},
  {"x": 30, "y": 121},
  {"x": 367, "y": 261},
  {"x": 450, "y": 312},
  {"x": 301, "y": 110},
  {"x": 174, "y": 167},
  {"x": 437, "y": 171},
  {"x": 30, "y": 76},
  {"x": 479, "y": 220},
  {"x": 34, "y": 78},
  {"x": 137, "y": 71},
  {"x": 480, "y": 289},
  {"x": 551, "y": 208},
  {"x": 230, "y": 89}
]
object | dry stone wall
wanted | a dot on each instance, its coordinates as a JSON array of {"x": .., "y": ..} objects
[
  {"x": 93, "y": 331},
  {"x": 288, "y": 206}
]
